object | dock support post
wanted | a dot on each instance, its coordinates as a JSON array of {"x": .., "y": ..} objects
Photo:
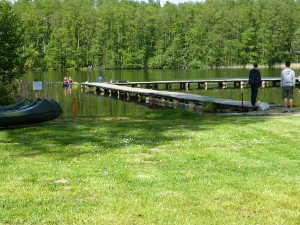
[
  {"x": 153, "y": 102},
  {"x": 242, "y": 101},
  {"x": 242, "y": 84},
  {"x": 187, "y": 86},
  {"x": 74, "y": 107}
]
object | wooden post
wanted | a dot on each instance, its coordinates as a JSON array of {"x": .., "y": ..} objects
[
  {"x": 242, "y": 84},
  {"x": 187, "y": 85},
  {"x": 242, "y": 101},
  {"x": 153, "y": 102},
  {"x": 74, "y": 107}
]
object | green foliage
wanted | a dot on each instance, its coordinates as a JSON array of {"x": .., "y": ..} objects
[
  {"x": 6, "y": 96},
  {"x": 11, "y": 41},
  {"x": 196, "y": 64},
  {"x": 209, "y": 106},
  {"x": 131, "y": 34}
]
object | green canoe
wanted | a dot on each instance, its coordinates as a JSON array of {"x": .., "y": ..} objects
[
  {"x": 43, "y": 110},
  {"x": 16, "y": 106}
]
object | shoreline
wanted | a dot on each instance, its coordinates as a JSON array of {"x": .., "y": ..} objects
[{"x": 249, "y": 66}]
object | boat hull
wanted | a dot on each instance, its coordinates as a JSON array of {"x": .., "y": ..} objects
[
  {"x": 43, "y": 111},
  {"x": 20, "y": 104}
]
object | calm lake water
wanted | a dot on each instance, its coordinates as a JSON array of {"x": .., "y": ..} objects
[{"x": 90, "y": 104}]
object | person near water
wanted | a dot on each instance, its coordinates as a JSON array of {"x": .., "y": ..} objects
[
  {"x": 255, "y": 82},
  {"x": 287, "y": 85},
  {"x": 100, "y": 79}
]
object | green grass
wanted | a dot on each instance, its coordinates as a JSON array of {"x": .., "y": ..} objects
[{"x": 160, "y": 169}]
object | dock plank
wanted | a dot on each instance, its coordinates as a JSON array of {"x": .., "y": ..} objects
[
  {"x": 210, "y": 80},
  {"x": 184, "y": 97}
]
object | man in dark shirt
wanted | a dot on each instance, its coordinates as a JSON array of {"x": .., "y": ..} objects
[{"x": 255, "y": 82}]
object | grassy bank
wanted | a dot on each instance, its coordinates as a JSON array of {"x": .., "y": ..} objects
[{"x": 158, "y": 170}]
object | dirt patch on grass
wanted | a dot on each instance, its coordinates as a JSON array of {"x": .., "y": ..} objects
[
  {"x": 52, "y": 144},
  {"x": 162, "y": 149},
  {"x": 62, "y": 181},
  {"x": 278, "y": 111},
  {"x": 235, "y": 147},
  {"x": 85, "y": 198},
  {"x": 8, "y": 143},
  {"x": 273, "y": 111},
  {"x": 149, "y": 161},
  {"x": 145, "y": 155},
  {"x": 156, "y": 149}
]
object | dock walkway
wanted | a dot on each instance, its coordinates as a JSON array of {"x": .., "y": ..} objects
[
  {"x": 166, "y": 95},
  {"x": 185, "y": 84}
]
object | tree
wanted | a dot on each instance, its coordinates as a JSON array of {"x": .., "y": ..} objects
[
  {"x": 11, "y": 41},
  {"x": 61, "y": 34}
]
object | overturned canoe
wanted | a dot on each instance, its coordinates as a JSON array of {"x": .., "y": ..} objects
[{"x": 41, "y": 111}]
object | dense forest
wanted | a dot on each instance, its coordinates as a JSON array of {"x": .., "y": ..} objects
[{"x": 129, "y": 34}]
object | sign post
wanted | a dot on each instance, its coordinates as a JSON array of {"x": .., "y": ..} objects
[{"x": 37, "y": 86}]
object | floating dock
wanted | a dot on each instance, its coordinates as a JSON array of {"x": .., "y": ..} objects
[
  {"x": 186, "y": 84},
  {"x": 113, "y": 89}
]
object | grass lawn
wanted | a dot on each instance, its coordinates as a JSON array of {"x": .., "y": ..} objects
[{"x": 161, "y": 169}]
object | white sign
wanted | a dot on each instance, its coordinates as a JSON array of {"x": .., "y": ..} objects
[{"x": 37, "y": 85}]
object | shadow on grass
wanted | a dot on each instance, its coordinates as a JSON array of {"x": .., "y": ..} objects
[{"x": 68, "y": 138}]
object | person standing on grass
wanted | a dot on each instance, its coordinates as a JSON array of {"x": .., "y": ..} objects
[
  {"x": 255, "y": 82},
  {"x": 287, "y": 85}
]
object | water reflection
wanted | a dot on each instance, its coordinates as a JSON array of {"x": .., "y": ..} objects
[{"x": 92, "y": 104}]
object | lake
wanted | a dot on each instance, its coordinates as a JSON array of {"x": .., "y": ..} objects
[{"x": 90, "y": 104}]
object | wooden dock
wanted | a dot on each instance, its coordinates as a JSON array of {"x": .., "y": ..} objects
[
  {"x": 186, "y": 84},
  {"x": 194, "y": 99}
]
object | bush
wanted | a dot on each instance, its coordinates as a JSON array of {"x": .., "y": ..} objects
[
  {"x": 6, "y": 96},
  {"x": 196, "y": 64},
  {"x": 209, "y": 106}
]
